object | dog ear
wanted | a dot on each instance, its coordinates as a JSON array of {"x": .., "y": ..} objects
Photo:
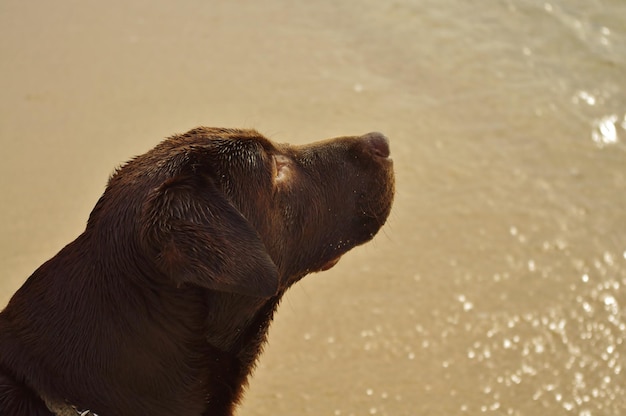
[{"x": 200, "y": 238}]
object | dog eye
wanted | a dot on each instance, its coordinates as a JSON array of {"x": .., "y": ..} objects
[{"x": 282, "y": 168}]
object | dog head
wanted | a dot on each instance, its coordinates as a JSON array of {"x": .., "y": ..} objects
[{"x": 231, "y": 211}]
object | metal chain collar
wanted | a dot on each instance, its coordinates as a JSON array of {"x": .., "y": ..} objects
[{"x": 64, "y": 409}]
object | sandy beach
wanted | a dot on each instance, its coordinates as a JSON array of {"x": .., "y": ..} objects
[{"x": 497, "y": 285}]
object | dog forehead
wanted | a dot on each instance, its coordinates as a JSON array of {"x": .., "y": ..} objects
[
  {"x": 210, "y": 135},
  {"x": 203, "y": 149},
  {"x": 205, "y": 145}
]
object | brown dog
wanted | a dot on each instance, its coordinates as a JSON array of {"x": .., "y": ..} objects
[{"x": 161, "y": 306}]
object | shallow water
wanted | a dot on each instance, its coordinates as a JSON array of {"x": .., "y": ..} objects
[{"x": 497, "y": 286}]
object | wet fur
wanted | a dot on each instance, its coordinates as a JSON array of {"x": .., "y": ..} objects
[{"x": 162, "y": 305}]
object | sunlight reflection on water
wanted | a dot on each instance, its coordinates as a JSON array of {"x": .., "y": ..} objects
[{"x": 605, "y": 130}]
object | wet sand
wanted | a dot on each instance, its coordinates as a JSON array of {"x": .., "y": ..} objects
[{"x": 498, "y": 285}]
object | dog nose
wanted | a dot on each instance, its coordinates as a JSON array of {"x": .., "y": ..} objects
[{"x": 378, "y": 143}]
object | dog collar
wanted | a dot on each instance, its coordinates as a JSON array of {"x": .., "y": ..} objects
[{"x": 60, "y": 408}]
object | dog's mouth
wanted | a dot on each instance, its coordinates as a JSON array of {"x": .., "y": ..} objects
[{"x": 330, "y": 264}]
